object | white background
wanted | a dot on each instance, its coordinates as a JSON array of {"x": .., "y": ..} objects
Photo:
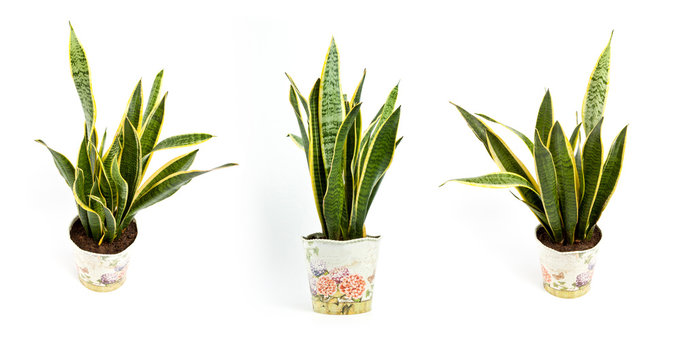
[{"x": 218, "y": 270}]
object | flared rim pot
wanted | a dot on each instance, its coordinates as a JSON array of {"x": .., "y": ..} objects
[
  {"x": 341, "y": 274},
  {"x": 100, "y": 272},
  {"x": 567, "y": 274}
]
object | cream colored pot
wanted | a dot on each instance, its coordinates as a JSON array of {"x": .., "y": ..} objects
[
  {"x": 567, "y": 274},
  {"x": 101, "y": 272},
  {"x": 341, "y": 274}
]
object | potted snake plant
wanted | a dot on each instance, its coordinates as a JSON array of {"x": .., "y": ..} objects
[
  {"x": 107, "y": 185},
  {"x": 346, "y": 167},
  {"x": 571, "y": 187}
]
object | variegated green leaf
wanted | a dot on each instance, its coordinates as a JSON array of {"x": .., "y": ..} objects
[
  {"x": 507, "y": 161},
  {"x": 178, "y": 164},
  {"x": 304, "y": 142},
  {"x": 306, "y": 107},
  {"x": 566, "y": 176},
  {"x": 596, "y": 91},
  {"x": 109, "y": 220},
  {"x": 363, "y": 145},
  {"x": 545, "y": 118},
  {"x": 153, "y": 98},
  {"x": 63, "y": 164},
  {"x": 120, "y": 188},
  {"x": 179, "y": 141},
  {"x": 546, "y": 174},
  {"x": 81, "y": 77},
  {"x": 84, "y": 163},
  {"x": 357, "y": 95},
  {"x": 134, "y": 112},
  {"x": 94, "y": 228},
  {"x": 378, "y": 160},
  {"x": 334, "y": 197},
  {"x": 609, "y": 177},
  {"x": 378, "y": 184},
  {"x": 151, "y": 131},
  {"x": 131, "y": 158},
  {"x": 522, "y": 136},
  {"x": 478, "y": 127},
  {"x": 297, "y": 141},
  {"x": 574, "y": 138},
  {"x": 592, "y": 158},
  {"x": 332, "y": 109},
  {"x": 316, "y": 160},
  {"x": 500, "y": 180}
]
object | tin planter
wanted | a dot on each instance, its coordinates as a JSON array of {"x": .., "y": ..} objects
[
  {"x": 567, "y": 274},
  {"x": 341, "y": 274},
  {"x": 101, "y": 272}
]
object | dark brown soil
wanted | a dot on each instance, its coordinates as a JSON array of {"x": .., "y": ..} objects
[
  {"x": 545, "y": 239},
  {"x": 80, "y": 238}
]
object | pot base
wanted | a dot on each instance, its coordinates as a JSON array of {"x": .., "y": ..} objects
[
  {"x": 107, "y": 288},
  {"x": 564, "y": 294},
  {"x": 335, "y": 308}
]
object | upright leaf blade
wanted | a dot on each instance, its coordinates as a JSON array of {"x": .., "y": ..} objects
[
  {"x": 306, "y": 107},
  {"x": 566, "y": 175},
  {"x": 81, "y": 78},
  {"x": 335, "y": 190},
  {"x": 379, "y": 157},
  {"x": 121, "y": 191},
  {"x": 332, "y": 109},
  {"x": 592, "y": 158},
  {"x": 316, "y": 156},
  {"x": 153, "y": 97},
  {"x": 546, "y": 174},
  {"x": 608, "y": 181},
  {"x": 545, "y": 118},
  {"x": 134, "y": 111},
  {"x": 304, "y": 142},
  {"x": 596, "y": 91},
  {"x": 151, "y": 131},
  {"x": 131, "y": 158}
]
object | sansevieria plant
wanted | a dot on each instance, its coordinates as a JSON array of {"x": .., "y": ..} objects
[
  {"x": 346, "y": 165},
  {"x": 107, "y": 185},
  {"x": 573, "y": 184}
]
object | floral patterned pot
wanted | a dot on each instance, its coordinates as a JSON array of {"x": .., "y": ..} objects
[
  {"x": 341, "y": 274},
  {"x": 567, "y": 274},
  {"x": 101, "y": 272}
]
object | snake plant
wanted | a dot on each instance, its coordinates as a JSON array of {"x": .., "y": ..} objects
[
  {"x": 107, "y": 185},
  {"x": 573, "y": 184},
  {"x": 346, "y": 165}
]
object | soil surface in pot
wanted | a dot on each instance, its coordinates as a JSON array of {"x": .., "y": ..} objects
[
  {"x": 80, "y": 238},
  {"x": 545, "y": 239},
  {"x": 320, "y": 236}
]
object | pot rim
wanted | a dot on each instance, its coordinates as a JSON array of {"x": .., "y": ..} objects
[
  {"x": 576, "y": 252},
  {"x": 93, "y": 253},
  {"x": 341, "y": 242}
]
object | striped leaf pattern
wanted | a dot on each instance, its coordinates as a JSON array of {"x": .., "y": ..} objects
[
  {"x": 596, "y": 91},
  {"x": 106, "y": 184},
  {"x": 346, "y": 165},
  {"x": 573, "y": 183}
]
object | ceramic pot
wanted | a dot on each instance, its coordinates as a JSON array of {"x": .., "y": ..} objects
[
  {"x": 341, "y": 274},
  {"x": 567, "y": 274},
  {"x": 101, "y": 272}
]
